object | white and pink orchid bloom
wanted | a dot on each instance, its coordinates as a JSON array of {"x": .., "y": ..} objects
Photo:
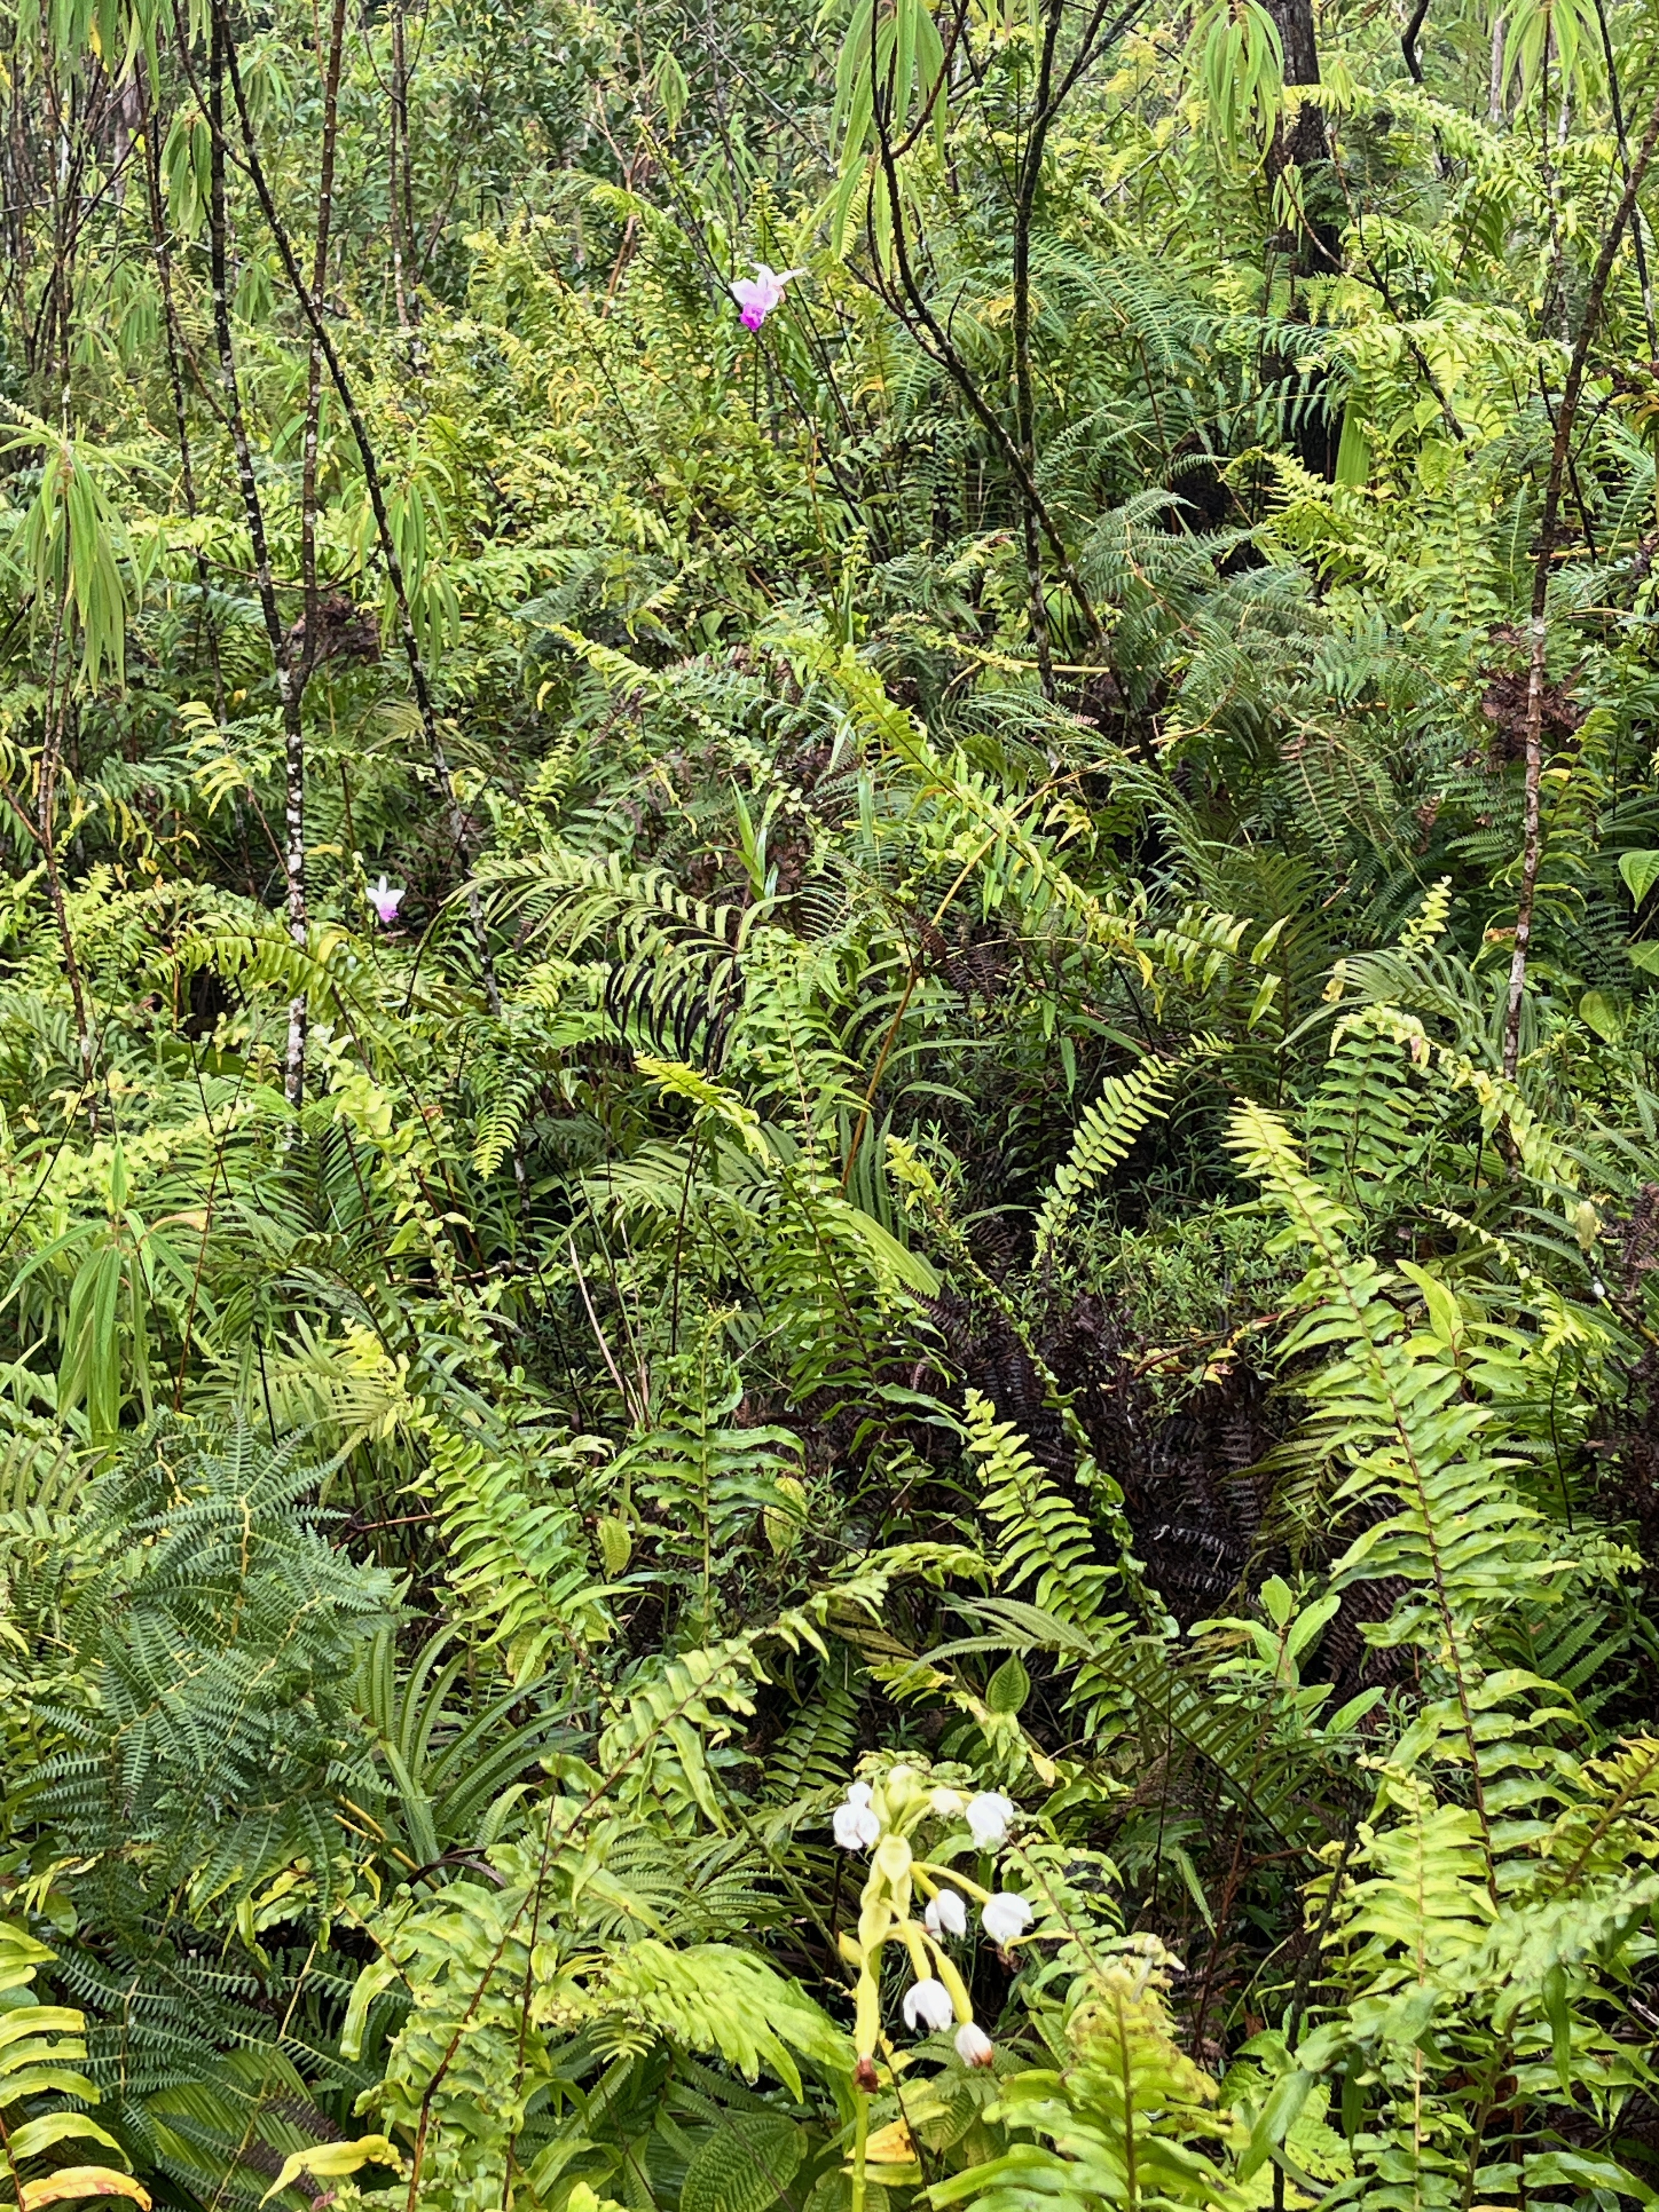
[
  {"x": 385, "y": 898},
  {"x": 758, "y": 294}
]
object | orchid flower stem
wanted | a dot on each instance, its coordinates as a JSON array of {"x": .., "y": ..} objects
[
  {"x": 933, "y": 1876},
  {"x": 962, "y": 2003},
  {"x": 917, "y": 1944},
  {"x": 860, "y": 2137}
]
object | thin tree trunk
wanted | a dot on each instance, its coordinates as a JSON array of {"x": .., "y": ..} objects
[
  {"x": 22, "y": 198},
  {"x": 1532, "y": 843},
  {"x": 287, "y": 686},
  {"x": 940, "y": 350},
  {"x": 52, "y": 755},
  {"x": 150, "y": 133},
  {"x": 397, "y": 165},
  {"x": 1408, "y": 38},
  {"x": 57, "y": 330},
  {"x": 55, "y": 342},
  {"x": 1306, "y": 144},
  {"x": 1299, "y": 39},
  {"x": 313, "y": 358},
  {"x": 1028, "y": 179},
  {"x": 371, "y": 481},
  {"x": 1096, "y": 36},
  {"x": 1618, "y": 107}
]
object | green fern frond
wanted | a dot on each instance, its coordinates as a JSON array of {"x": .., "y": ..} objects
[
  {"x": 1126, "y": 1106},
  {"x": 516, "y": 1557}
]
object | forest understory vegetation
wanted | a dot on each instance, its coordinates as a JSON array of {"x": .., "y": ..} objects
[{"x": 830, "y": 1106}]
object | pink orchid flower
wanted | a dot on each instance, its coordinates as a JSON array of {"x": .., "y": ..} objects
[
  {"x": 759, "y": 294},
  {"x": 386, "y": 899}
]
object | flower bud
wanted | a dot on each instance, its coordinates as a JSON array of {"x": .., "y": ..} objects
[{"x": 973, "y": 2046}]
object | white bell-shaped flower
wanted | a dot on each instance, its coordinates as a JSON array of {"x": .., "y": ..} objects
[
  {"x": 928, "y": 2004},
  {"x": 946, "y": 1915},
  {"x": 989, "y": 1815},
  {"x": 857, "y": 1828},
  {"x": 1005, "y": 1916}
]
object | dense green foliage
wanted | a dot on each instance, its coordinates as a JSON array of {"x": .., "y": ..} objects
[{"x": 829, "y": 1141}]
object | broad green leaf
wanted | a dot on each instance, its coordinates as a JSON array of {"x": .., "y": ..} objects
[
  {"x": 1603, "y": 1013},
  {"x": 1009, "y": 1688}
]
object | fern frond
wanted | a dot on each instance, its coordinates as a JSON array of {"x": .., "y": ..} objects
[
  {"x": 517, "y": 1559},
  {"x": 1126, "y": 1106}
]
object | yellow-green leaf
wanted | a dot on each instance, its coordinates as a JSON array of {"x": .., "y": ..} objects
[
  {"x": 71, "y": 2183},
  {"x": 327, "y": 2161}
]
